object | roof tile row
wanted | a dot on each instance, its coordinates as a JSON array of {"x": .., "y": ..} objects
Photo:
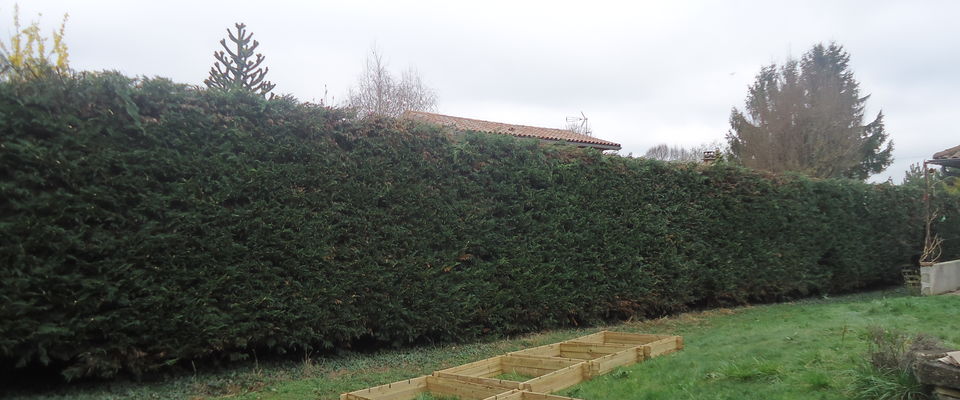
[
  {"x": 953, "y": 152},
  {"x": 467, "y": 124}
]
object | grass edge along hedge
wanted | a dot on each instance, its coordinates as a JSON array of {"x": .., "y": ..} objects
[{"x": 145, "y": 223}]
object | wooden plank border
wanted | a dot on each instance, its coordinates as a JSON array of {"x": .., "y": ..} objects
[
  {"x": 391, "y": 391},
  {"x": 527, "y": 395},
  {"x": 555, "y": 366}
]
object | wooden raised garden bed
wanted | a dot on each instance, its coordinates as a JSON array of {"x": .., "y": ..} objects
[{"x": 530, "y": 374}]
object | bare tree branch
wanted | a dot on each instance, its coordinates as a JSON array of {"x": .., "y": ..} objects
[
  {"x": 378, "y": 92},
  {"x": 665, "y": 152}
]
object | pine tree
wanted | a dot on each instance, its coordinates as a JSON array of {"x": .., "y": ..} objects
[
  {"x": 807, "y": 116},
  {"x": 238, "y": 70}
]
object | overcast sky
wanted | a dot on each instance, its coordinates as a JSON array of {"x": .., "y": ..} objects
[{"x": 643, "y": 72}]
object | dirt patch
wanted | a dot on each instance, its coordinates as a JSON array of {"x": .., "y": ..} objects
[{"x": 338, "y": 373}]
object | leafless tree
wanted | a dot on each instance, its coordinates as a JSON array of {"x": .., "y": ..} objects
[
  {"x": 579, "y": 125},
  {"x": 576, "y": 127},
  {"x": 379, "y": 92},
  {"x": 665, "y": 152}
]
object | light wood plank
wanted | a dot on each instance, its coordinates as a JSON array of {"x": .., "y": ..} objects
[
  {"x": 503, "y": 383},
  {"x": 391, "y": 391},
  {"x": 464, "y": 390},
  {"x": 560, "y": 379}
]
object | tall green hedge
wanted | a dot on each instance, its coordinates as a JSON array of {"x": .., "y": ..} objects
[{"x": 144, "y": 223}]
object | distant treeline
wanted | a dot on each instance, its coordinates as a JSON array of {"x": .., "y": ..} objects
[{"x": 145, "y": 223}]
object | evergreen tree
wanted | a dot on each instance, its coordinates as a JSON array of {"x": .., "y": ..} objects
[
  {"x": 239, "y": 70},
  {"x": 807, "y": 116}
]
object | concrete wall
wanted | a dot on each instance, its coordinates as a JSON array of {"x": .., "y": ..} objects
[{"x": 940, "y": 278}]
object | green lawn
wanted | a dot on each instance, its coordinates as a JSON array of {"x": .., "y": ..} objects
[{"x": 802, "y": 350}]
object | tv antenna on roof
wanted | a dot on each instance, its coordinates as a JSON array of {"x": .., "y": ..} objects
[{"x": 580, "y": 124}]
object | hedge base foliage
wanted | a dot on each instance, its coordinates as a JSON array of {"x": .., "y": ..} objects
[{"x": 143, "y": 223}]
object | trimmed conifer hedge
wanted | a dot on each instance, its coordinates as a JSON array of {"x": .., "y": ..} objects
[{"x": 143, "y": 223}]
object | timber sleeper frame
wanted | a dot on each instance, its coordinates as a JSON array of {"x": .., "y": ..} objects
[{"x": 553, "y": 367}]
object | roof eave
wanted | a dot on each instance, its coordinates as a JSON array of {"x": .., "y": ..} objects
[
  {"x": 946, "y": 162},
  {"x": 598, "y": 146},
  {"x": 602, "y": 146}
]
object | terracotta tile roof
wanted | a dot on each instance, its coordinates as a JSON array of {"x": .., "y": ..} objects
[
  {"x": 953, "y": 152},
  {"x": 467, "y": 124}
]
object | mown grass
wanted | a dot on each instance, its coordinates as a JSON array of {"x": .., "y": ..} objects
[
  {"x": 809, "y": 349},
  {"x": 803, "y": 350}
]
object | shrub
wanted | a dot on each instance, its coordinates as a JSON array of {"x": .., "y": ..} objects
[
  {"x": 144, "y": 223},
  {"x": 871, "y": 384},
  {"x": 888, "y": 374},
  {"x": 25, "y": 56}
]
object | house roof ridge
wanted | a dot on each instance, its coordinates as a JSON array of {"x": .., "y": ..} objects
[{"x": 512, "y": 129}]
